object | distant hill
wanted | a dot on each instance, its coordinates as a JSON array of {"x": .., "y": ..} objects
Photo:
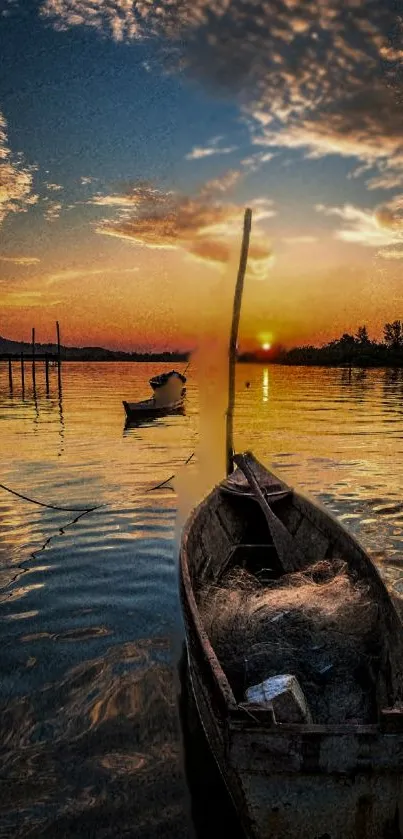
[{"x": 88, "y": 353}]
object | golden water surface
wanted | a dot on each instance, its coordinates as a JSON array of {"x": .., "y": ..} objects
[{"x": 90, "y": 624}]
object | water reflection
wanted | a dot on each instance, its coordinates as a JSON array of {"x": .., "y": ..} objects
[
  {"x": 97, "y": 749},
  {"x": 356, "y": 378},
  {"x": 393, "y": 384},
  {"x": 132, "y": 426},
  {"x": 212, "y": 811},
  {"x": 265, "y": 385},
  {"x": 61, "y": 419},
  {"x": 91, "y": 739},
  {"x": 44, "y": 404},
  {"x": 147, "y": 421}
]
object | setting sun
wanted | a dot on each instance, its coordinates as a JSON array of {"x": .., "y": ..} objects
[{"x": 266, "y": 346}]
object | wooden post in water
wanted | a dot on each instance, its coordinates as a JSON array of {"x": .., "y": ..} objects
[
  {"x": 47, "y": 373},
  {"x": 10, "y": 373},
  {"x": 58, "y": 340},
  {"x": 22, "y": 374},
  {"x": 234, "y": 338},
  {"x": 33, "y": 359},
  {"x": 59, "y": 376}
]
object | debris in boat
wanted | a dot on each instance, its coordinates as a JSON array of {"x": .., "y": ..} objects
[
  {"x": 317, "y": 624},
  {"x": 283, "y": 693}
]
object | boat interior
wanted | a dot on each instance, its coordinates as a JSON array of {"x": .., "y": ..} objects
[{"x": 260, "y": 619}]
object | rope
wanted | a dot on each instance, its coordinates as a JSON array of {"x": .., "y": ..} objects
[
  {"x": 158, "y": 486},
  {"x": 51, "y": 506},
  {"x": 60, "y": 532},
  {"x": 83, "y": 509}
]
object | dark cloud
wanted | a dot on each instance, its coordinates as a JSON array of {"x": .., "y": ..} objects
[{"x": 320, "y": 75}]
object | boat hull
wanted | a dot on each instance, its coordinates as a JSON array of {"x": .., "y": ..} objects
[
  {"x": 148, "y": 409},
  {"x": 293, "y": 781},
  {"x": 276, "y": 802}
]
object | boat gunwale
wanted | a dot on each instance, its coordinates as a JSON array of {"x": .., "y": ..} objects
[
  {"x": 244, "y": 714},
  {"x": 224, "y": 687}
]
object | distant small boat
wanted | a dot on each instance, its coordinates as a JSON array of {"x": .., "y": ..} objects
[
  {"x": 169, "y": 398},
  {"x": 158, "y": 382}
]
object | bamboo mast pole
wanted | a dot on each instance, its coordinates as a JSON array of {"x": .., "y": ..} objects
[{"x": 232, "y": 350}]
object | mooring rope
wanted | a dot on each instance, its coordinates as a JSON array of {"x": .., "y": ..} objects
[
  {"x": 60, "y": 532},
  {"x": 82, "y": 509},
  {"x": 158, "y": 486},
  {"x": 51, "y": 506}
]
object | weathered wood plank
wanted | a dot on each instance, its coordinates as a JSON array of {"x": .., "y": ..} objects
[
  {"x": 291, "y": 517},
  {"x": 216, "y": 544},
  {"x": 312, "y": 542}
]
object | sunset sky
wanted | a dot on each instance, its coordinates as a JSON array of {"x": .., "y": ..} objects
[{"x": 133, "y": 133}]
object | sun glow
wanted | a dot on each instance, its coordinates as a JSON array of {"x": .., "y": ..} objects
[{"x": 266, "y": 346}]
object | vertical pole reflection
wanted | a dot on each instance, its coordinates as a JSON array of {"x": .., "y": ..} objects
[
  {"x": 33, "y": 362},
  {"x": 22, "y": 376},
  {"x": 10, "y": 374},
  {"x": 47, "y": 373},
  {"x": 61, "y": 417},
  {"x": 265, "y": 385}
]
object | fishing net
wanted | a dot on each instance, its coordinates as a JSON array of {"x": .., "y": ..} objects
[{"x": 316, "y": 624}]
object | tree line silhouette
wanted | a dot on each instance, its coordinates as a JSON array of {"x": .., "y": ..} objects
[{"x": 352, "y": 350}]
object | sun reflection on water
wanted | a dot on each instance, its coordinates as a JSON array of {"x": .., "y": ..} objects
[{"x": 265, "y": 385}]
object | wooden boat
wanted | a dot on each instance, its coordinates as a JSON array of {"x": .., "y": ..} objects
[
  {"x": 162, "y": 379},
  {"x": 294, "y": 781},
  {"x": 314, "y": 778},
  {"x": 169, "y": 398},
  {"x": 149, "y": 409}
]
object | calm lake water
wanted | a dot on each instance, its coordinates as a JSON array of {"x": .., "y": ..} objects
[{"x": 90, "y": 626}]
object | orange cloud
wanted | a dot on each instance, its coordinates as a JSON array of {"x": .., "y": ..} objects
[
  {"x": 139, "y": 194},
  {"x": 20, "y": 260},
  {"x": 52, "y": 210},
  {"x": 380, "y": 227},
  {"x": 393, "y": 253},
  {"x": 204, "y": 227}
]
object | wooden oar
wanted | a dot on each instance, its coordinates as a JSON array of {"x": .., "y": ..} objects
[{"x": 289, "y": 553}]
